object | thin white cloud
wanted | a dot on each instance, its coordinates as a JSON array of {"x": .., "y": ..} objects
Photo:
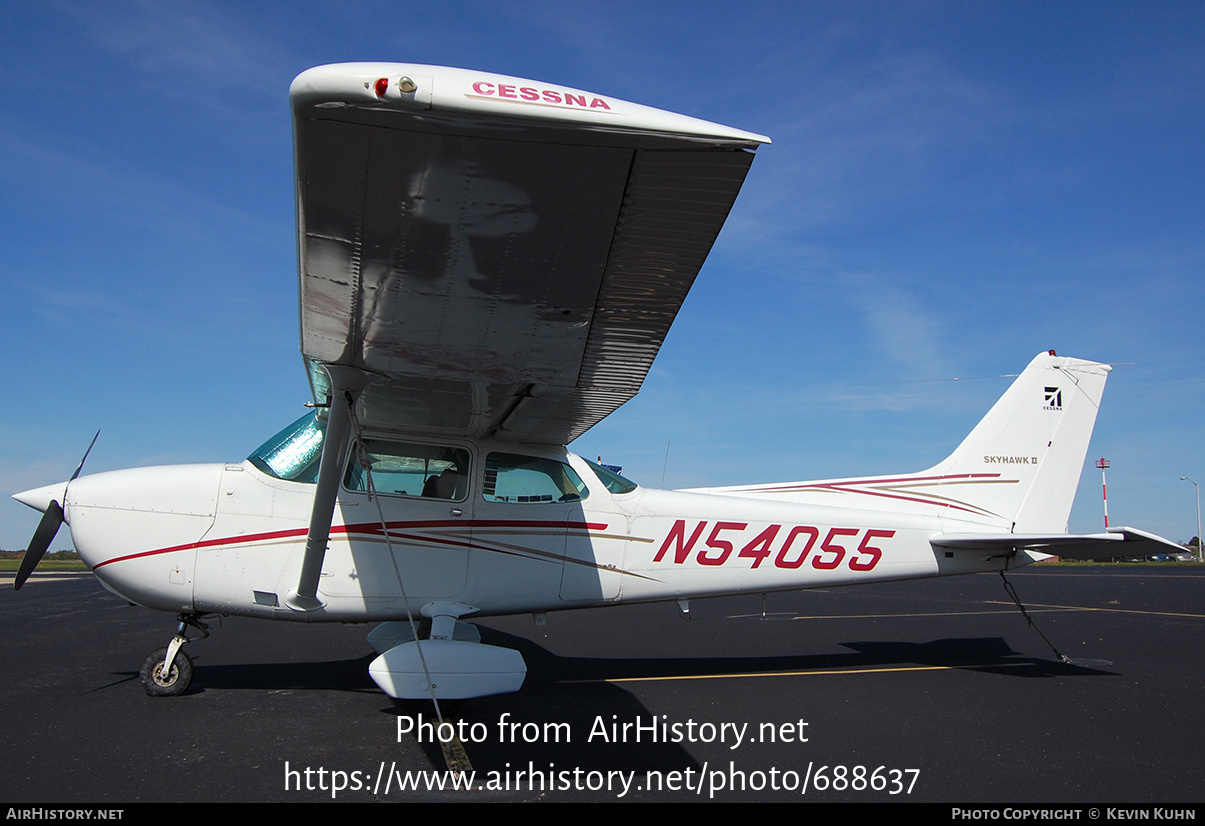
[
  {"x": 903, "y": 329},
  {"x": 187, "y": 49},
  {"x": 860, "y": 139}
]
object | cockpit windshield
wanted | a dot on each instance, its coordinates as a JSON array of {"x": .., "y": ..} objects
[{"x": 293, "y": 453}]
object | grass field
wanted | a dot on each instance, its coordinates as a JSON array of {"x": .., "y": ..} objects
[{"x": 10, "y": 566}]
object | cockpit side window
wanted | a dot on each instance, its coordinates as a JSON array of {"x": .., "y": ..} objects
[
  {"x": 530, "y": 480},
  {"x": 407, "y": 469},
  {"x": 293, "y": 454}
]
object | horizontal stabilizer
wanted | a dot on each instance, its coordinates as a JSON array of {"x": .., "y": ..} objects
[{"x": 1120, "y": 541}]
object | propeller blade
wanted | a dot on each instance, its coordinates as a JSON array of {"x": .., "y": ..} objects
[
  {"x": 52, "y": 518},
  {"x": 42, "y": 537},
  {"x": 81, "y": 463}
]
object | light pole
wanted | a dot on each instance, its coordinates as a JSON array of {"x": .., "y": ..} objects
[{"x": 1200, "y": 557}]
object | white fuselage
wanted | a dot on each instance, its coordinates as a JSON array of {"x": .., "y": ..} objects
[{"x": 229, "y": 539}]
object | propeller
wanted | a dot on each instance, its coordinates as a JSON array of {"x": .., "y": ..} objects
[{"x": 52, "y": 518}]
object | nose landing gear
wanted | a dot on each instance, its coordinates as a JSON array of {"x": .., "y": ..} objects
[{"x": 167, "y": 672}]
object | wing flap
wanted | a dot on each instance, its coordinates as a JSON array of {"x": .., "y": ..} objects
[{"x": 675, "y": 207}]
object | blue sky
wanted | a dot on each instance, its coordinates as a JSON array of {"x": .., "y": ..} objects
[{"x": 952, "y": 188}]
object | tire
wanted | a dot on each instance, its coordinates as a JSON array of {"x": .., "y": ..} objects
[{"x": 175, "y": 683}]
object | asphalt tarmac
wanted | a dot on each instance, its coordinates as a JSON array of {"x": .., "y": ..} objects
[{"x": 931, "y": 691}]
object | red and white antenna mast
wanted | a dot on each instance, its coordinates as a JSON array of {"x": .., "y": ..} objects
[{"x": 1103, "y": 463}]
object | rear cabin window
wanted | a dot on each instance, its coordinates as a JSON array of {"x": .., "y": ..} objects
[{"x": 530, "y": 480}]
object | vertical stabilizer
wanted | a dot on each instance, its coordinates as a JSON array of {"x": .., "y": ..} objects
[{"x": 1033, "y": 442}]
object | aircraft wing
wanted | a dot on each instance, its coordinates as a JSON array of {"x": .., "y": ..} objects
[
  {"x": 504, "y": 257},
  {"x": 1119, "y": 541}
]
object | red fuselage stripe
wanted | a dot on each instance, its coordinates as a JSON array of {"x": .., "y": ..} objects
[{"x": 368, "y": 529}]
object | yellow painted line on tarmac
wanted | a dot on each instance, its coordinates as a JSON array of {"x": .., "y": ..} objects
[
  {"x": 902, "y": 616},
  {"x": 1163, "y": 574},
  {"x": 1007, "y": 608},
  {"x": 881, "y": 616},
  {"x": 747, "y": 674},
  {"x": 1108, "y": 610}
]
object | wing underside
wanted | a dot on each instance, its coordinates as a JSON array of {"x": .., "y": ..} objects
[{"x": 497, "y": 272}]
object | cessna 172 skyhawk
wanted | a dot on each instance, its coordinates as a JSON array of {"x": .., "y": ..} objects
[{"x": 488, "y": 266}]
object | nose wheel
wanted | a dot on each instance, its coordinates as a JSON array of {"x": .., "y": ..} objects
[
  {"x": 161, "y": 680},
  {"x": 167, "y": 672}
]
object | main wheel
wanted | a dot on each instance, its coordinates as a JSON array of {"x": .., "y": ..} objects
[{"x": 157, "y": 684}]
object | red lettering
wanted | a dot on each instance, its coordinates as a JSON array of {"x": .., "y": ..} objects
[
  {"x": 875, "y": 554},
  {"x": 837, "y": 551},
  {"x": 528, "y": 93},
  {"x": 678, "y": 533},
  {"x": 723, "y": 546},
  {"x": 781, "y": 560},
  {"x": 832, "y": 552},
  {"x": 759, "y": 548}
]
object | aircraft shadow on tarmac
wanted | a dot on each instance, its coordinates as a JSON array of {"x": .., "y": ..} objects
[
  {"x": 988, "y": 654},
  {"x": 584, "y": 690},
  {"x": 576, "y": 693}
]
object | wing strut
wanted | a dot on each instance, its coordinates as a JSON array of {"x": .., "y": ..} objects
[{"x": 346, "y": 384}]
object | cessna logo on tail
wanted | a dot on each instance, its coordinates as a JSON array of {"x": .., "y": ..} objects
[{"x": 1054, "y": 399}]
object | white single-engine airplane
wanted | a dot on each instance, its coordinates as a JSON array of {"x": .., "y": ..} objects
[{"x": 488, "y": 267}]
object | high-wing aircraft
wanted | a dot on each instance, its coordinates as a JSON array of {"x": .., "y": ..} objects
[{"x": 488, "y": 266}]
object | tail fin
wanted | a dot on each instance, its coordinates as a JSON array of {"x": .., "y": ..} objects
[{"x": 1034, "y": 441}]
